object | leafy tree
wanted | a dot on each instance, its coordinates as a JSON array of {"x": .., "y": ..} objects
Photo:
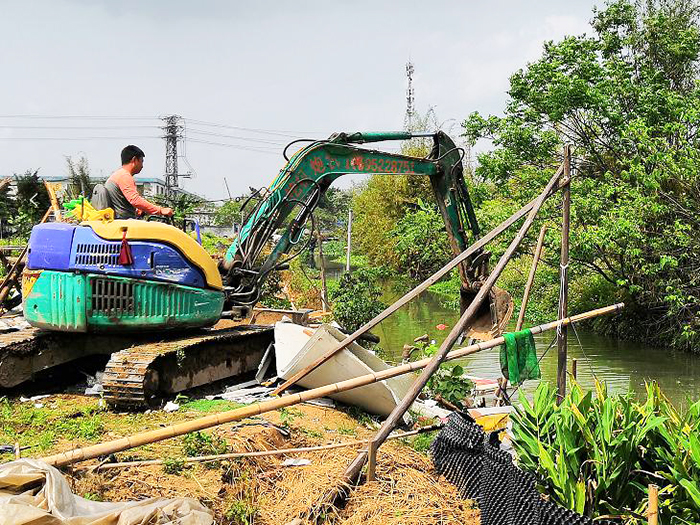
[
  {"x": 397, "y": 222},
  {"x": 420, "y": 242},
  {"x": 31, "y": 201},
  {"x": 627, "y": 97},
  {"x": 332, "y": 210},
  {"x": 228, "y": 213},
  {"x": 79, "y": 182}
]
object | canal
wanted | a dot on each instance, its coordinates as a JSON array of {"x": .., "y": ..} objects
[{"x": 622, "y": 365}]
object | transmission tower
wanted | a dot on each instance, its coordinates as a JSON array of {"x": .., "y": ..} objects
[
  {"x": 410, "y": 107},
  {"x": 173, "y": 128}
]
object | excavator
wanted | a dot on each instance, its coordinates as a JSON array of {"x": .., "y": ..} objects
[{"x": 120, "y": 284}]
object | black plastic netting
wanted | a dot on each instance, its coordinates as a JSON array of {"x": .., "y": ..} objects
[{"x": 481, "y": 471}]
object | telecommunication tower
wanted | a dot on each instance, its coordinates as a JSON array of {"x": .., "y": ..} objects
[
  {"x": 410, "y": 107},
  {"x": 173, "y": 128}
]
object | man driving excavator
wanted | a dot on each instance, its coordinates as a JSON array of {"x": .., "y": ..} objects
[{"x": 120, "y": 189}]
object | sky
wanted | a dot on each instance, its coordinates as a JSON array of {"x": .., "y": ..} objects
[{"x": 248, "y": 77}]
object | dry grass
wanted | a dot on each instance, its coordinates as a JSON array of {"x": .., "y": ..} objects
[
  {"x": 407, "y": 492},
  {"x": 261, "y": 490}
]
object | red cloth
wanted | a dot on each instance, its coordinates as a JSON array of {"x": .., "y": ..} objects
[{"x": 125, "y": 181}]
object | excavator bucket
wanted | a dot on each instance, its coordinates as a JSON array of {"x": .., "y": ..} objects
[{"x": 493, "y": 315}]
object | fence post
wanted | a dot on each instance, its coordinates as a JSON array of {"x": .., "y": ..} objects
[{"x": 653, "y": 510}]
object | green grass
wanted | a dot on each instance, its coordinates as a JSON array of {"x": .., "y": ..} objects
[
  {"x": 421, "y": 443},
  {"x": 213, "y": 405},
  {"x": 40, "y": 428}
]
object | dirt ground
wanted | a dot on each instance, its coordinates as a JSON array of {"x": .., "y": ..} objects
[{"x": 242, "y": 490}]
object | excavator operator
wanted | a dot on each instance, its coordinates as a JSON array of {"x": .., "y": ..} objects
[{"x": 121, "y": 190}]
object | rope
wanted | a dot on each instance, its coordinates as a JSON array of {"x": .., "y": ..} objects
[
  {"x": 590, "y": 365},
  {"x": 562, "y": 270}
]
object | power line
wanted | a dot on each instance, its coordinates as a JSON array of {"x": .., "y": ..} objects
[
  {"x": 238, "y": 137},
  {"x": 80, "y": 138},
  {"x": 282, "y": 133},
  {"x": 235, "y": 146},
  {"x": 140, "y": 126},
  {"x": 81, "y": 117}
]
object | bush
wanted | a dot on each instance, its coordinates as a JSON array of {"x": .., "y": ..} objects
[
  {"x": 421, "y": 243},
  {"x": 355, "y": 300}
]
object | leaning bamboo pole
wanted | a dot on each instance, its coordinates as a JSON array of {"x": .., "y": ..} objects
[
  {"x": 458, "y": 329},
  {"x": 159, "y": 434},
  {"x": 412, "y": 294},
  {"x": 531, "y": 278},
  {"x": 264, "y": 453}
]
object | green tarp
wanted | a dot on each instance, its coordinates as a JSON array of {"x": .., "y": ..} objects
[{"x": 519, "y": 358}]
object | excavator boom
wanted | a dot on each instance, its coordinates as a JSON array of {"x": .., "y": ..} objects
[{"x": 308, "y": 175}]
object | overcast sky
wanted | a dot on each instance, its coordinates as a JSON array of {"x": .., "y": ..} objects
[{"x": 278, "y": 70}]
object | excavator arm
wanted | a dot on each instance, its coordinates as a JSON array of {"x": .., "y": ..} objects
[{"x": 297, "y": 189}]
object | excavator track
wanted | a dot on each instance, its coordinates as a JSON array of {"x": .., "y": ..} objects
[
  {"x": 27, "y": 353},
  {"x": 140, "y": 376}
]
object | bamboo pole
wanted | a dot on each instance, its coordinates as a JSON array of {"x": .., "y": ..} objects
[
  {"x": 179, "y": 429},
  {"x": 653, "y": 510},
  {"x": 262, "y": 453},
  {"x": 464, "y": 322},
  {"x": 531, "y": 278},
  {"x": 347, "y": 255},
  {"x": 562, "y": 347},
  {"x": 409, "y": 296},
  {"x": 5, "y": 286}
]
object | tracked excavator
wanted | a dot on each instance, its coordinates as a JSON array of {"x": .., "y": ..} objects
[{"x": 152, "y": 308}]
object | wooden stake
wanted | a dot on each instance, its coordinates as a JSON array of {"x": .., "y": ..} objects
[
  {"x": 653, "y": 510},
  {"x": 562, "y": 349},
  {"x": 324, "y": 288},
  {"x": 212, "y": 420},
  {"x": 409, "y": 296},
  {"x": 51, "y": 190},
  {"x": 531, "y": 278},
  {"x": 574, "y": 368},
  {"x": 353, "y": 470},
  {"x": 372, "y": 459}
]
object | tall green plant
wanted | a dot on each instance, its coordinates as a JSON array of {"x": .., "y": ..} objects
[{"x": 597, "y": 454}]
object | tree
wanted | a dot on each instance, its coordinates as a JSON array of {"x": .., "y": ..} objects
[
  {"x": 384, "y": 200},
  {"x": 627, "y": 97},
  {"x": 79, "y": 181},
  {"x": 31, "y": 201}
]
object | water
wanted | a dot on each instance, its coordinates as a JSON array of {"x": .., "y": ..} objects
[{"x": 622, "y": 365}]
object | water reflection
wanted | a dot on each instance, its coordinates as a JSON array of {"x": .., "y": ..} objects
[{"x": 622, "y": 365}]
